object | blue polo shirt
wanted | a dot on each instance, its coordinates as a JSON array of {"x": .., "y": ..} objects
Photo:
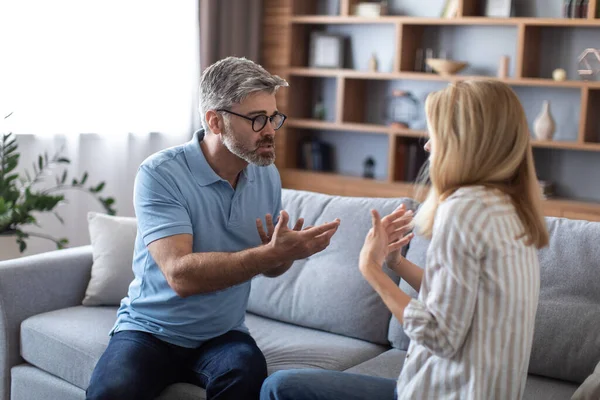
[{"x": 176, "y": 191}]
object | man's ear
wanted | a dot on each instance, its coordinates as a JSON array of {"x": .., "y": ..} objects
[{"x": 214, "y": 121}]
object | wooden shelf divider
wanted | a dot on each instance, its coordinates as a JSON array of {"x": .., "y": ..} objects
[{"x": 593, "y": 10}]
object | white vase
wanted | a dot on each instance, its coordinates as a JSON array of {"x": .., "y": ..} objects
[
  {"x": 544, "y": 126},
  {"x": 9, "y": 248}
]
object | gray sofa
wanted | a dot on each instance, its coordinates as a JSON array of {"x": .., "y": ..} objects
[{"x": 321, "y": 314}]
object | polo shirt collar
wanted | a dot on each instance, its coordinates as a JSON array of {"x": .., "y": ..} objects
[{"x": 201, "y": 169}]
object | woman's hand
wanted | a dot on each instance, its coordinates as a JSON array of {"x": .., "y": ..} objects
[{"x": 385, "y": 239}]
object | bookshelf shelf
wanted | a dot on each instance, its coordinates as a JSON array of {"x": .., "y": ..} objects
[
  {"x": 286, "y": 45},
  {"x": 460, "y": 21},
  {"x": 309, "y": 124},
  {"x": 420, "y": 76}
]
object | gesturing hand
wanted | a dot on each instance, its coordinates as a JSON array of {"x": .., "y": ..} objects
[
  {"x": 385, "y": 239},
  {"x": 297, "y": 243},
  {"x": 265, "y": 237}
]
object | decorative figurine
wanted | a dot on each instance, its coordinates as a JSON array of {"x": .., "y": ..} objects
[
  {"x": 544, "y": 125},
  {"x": 559, "y": 74},
  {"x": 369, "y": 165}
]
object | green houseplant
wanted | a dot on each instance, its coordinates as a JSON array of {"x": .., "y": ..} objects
[{"x": 21, "y": 200}]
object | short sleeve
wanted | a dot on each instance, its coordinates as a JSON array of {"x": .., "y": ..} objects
[
  {"x": 277, "y": 194},
  {"x": 159, "y": 207}
]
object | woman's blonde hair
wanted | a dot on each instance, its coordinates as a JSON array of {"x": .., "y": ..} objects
[{"x": 480, "y": 136}]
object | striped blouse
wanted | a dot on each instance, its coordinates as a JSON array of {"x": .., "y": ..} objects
[{"x": 471, "y": 328}]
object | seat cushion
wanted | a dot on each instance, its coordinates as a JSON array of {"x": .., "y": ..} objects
[
  {"x": 541, "y": 388},
  {"x": 288, "y": 346},
  {"x": 68, "y": 343},
  {"x": 327, "y": 291},
  {"x": 386, "y": 365},
  {"x": 29, "y": 382}
]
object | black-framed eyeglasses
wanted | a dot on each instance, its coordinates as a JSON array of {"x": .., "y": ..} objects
[{"x": 259, "y": 122}]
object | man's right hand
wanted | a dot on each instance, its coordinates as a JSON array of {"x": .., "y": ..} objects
[{"x": 292, "y": 245}]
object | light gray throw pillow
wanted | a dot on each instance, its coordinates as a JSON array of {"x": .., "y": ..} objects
[{"x": 112, "y": 239}]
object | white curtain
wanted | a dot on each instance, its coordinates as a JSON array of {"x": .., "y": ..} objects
[{"x": 108, "y": 81}]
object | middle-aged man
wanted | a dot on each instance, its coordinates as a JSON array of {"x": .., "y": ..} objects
[{"x": 200, "y": 240}]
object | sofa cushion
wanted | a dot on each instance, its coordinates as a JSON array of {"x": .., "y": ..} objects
[
  {"x": 590, "y": 388},
  {"x": 566, "y": 343},
  {"x": 68, "y": 343},
  {"x": 327, "y": 291},
  {"x": 288, "y": 346},
  {"x": 417, "y": 252},
  {"x": 541, "y": 388},
  {"x": 29, "y": 382},
  {"x": 112, "y": 240},
  {"x": 387, "y": 365}
]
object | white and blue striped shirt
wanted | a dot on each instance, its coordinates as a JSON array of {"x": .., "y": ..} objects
[{"x": 471, "y": 328}]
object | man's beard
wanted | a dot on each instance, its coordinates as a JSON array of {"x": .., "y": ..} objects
[{"x": 250, "y": 156}]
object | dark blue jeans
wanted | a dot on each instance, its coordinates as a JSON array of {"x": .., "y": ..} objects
[
  {"x": 311, "y": 384},
  {"x": 137, "y": 365}
]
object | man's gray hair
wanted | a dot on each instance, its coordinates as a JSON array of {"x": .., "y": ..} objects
[{"x": 232, "y": 79}]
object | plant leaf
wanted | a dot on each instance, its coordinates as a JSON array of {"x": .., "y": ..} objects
[
  {"x": 63, "y": 160},
  {"x": 40, "y": 162},
  {"x": 62, "y": 221},
  {"x": 64, "y": 177},
  {"x": 84, "y": 178},
  {"x": 98, "y": 188}
]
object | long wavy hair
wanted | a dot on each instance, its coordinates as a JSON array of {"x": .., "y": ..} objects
[{"x": 479, "y": 136}]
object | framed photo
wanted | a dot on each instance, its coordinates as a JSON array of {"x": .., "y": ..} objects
[
  {"x": 499, "y": 8},
  {"x": 450, "y": 9},
  {"x": 326, "y": 50}
]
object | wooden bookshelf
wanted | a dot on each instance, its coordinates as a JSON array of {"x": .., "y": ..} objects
[{"x": 285, "y": 52}]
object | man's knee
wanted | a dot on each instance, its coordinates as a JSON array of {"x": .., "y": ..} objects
[
  {"x": 124, "y": 383},
  {"x": 249, "y": 366},
  {"x": 114, "y": 389},
  {"x": 244, "y": 374}
]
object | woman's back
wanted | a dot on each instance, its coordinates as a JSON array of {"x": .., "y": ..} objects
[{"x": 478, "y": 298}]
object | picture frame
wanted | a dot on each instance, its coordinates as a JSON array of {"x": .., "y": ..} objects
[
  {"x": 326, "y": 50},
  {"x": 499, "y": 8},
  {"x": 450, "y": 9}
]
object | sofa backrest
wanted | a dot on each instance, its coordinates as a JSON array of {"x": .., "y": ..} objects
[
  {"x": 327, "y": 291},
  {"x": 566, "y": 343}
]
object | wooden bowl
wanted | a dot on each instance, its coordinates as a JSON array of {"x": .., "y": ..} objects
[{"x": 445, "y": 67}]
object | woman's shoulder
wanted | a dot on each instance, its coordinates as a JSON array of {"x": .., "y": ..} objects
[{"x": 481, "y": 198}]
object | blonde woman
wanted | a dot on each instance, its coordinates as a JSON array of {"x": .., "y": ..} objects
[{"x": 471, "y": 327}]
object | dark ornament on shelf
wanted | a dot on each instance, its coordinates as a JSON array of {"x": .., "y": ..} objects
[{"x": 369, "y": 165}]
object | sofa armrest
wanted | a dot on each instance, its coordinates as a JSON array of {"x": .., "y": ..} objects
[{"x": 36, "y": 284}]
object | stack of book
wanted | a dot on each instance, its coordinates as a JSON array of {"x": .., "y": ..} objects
[{"x": 315, "y": 155}]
